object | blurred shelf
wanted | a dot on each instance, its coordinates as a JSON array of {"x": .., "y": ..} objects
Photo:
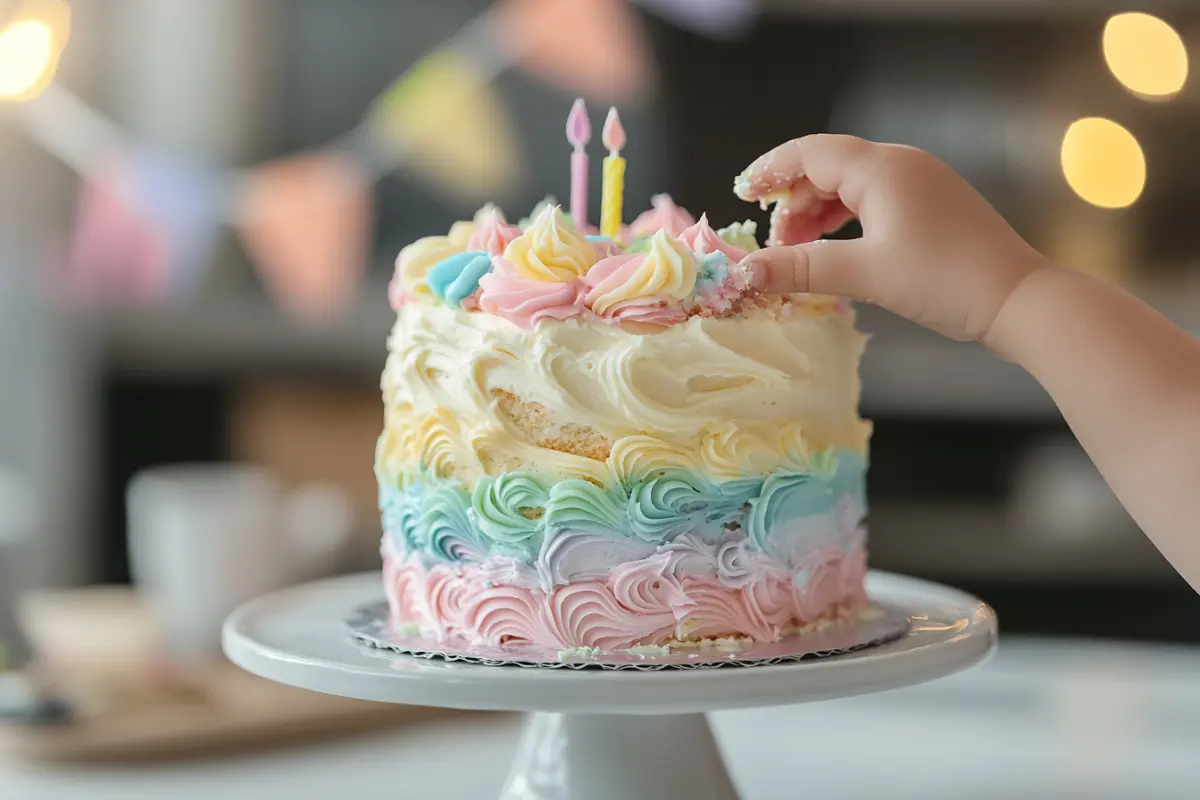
[
  {"x": 907, "y": 371},
  {"x": 979, "y": 543},
  {"x": 243, "y": 333}
]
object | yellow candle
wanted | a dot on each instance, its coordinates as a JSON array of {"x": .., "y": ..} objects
[{"x": 612, "y": 198}]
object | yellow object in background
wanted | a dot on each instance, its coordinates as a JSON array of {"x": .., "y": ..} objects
[
  {"x": 31, "y": 41},
  {"x": 1103, "y": 163},
  {"x": 1145, "y": 54},
  {"x": 443, "y": 121}
]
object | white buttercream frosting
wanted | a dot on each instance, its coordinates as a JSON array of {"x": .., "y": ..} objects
[{"x": 729, "y": 396}]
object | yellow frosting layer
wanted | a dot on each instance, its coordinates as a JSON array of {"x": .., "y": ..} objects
[
  {"x": 550, "y": 250},
  {"x": 726, "y": 397}
]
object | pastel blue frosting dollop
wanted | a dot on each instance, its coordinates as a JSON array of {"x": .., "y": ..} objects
[{"x": 456, "y": 278}]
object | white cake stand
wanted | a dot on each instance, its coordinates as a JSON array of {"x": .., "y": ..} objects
[{"x": 598, "y": 734}]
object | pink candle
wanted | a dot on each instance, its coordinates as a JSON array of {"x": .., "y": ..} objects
[{"x": 579, "y": 133}]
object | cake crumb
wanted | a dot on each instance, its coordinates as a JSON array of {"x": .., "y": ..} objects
[
  {"x": 580, "y": 653},
  {"x": 650, "y": 650}
]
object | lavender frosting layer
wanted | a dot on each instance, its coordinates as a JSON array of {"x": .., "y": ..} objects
[{"x": 520, "y": 531}]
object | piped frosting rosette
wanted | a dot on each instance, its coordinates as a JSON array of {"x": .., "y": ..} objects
[{"x": 663, "y": 269}]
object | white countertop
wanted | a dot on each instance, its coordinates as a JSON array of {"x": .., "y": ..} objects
[{"x": 1041, "y": 721}]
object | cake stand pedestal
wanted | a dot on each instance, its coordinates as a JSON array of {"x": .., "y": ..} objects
[{"x": 600, "y": 734}]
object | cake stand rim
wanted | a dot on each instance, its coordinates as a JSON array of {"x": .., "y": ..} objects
[{"x": 297, "y": 636}]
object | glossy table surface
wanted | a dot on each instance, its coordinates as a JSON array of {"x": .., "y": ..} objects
[{"x": 1040, "y": 721}]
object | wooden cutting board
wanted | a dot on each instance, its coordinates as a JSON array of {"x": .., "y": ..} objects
[{"x": 92, "y": 645}]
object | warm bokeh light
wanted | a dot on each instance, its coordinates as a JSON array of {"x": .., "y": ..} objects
[
  {"x": 1103, "y": 163},
  {"x": 26, "y": 57},
  {"x": 1145, "y": 54},
  {"x": 31, "y": 41}
]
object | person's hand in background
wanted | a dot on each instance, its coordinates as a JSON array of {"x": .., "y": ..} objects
[{"x": 1126, "y": 380}]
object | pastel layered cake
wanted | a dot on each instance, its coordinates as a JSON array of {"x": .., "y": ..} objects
[{"x": 615, "y": 443}]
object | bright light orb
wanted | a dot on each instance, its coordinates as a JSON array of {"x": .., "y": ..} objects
[
  {"x": 1145, "y": 54},
  {"x": 28, "y": 57},
  {"x": 1103, "y": 163}
]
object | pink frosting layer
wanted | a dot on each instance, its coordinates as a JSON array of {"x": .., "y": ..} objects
[{"x": 643, "y": 602}]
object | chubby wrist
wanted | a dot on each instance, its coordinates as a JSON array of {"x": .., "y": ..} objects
[{"x": 1020, "y": 318}]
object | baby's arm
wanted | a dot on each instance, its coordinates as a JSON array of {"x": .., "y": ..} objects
[{"x": 1126, "y": 380}]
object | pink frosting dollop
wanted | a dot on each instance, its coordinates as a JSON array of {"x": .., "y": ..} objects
[
  {"x": 396, "y": 294},
  {"x": 523, "y": 302},
  {"x": 493, "y": 234},
  {"x": 663, "y": 214},
  {"x": 614, "y": 271},
  {"x": 701, "y": 238}
]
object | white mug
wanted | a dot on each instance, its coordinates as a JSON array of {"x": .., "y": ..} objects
[{"x": 203, "y": 539}]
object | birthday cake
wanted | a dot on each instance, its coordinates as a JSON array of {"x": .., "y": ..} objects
[{"x": 607, "y": 440}]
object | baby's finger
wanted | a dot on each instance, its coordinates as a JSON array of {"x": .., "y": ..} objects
[
  {"x": 828, "y": 266},
  {"x": 833, "y": 163},
  {"x": 800, "y": 218}
]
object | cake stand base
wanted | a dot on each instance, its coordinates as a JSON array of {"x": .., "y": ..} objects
[
  {"x": 599, "y": 734},
  {"x": 609, "y": 756}
]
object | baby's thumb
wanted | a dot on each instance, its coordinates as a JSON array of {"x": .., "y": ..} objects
[{"x": 827, "y": 266}]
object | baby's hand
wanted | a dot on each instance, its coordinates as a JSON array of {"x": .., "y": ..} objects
[{"x": 932, "y": 249}]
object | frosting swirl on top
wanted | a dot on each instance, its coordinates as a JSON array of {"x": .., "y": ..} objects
[
  {"x": 608, "y": 279},
  {"x": 742, "y": 235},
  {"x": 664, "y": 214},
  {"x": 415, "y": 261},
  {"x": 551, "y": 250},
  {"x": 456, "y": 278},
  {"x": 666, "y": 270},
  {"x": 703, "y": 240},
  {"x": 494, "y": 234},
  {"x": 461, "y": 233},
  {"x": 525, "y": 302}
]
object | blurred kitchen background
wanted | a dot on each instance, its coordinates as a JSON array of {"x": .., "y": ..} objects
[{"x": 179, "y": 282}]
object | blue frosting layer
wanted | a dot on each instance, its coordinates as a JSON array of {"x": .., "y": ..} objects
[{"x": 513, "y": 514}]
